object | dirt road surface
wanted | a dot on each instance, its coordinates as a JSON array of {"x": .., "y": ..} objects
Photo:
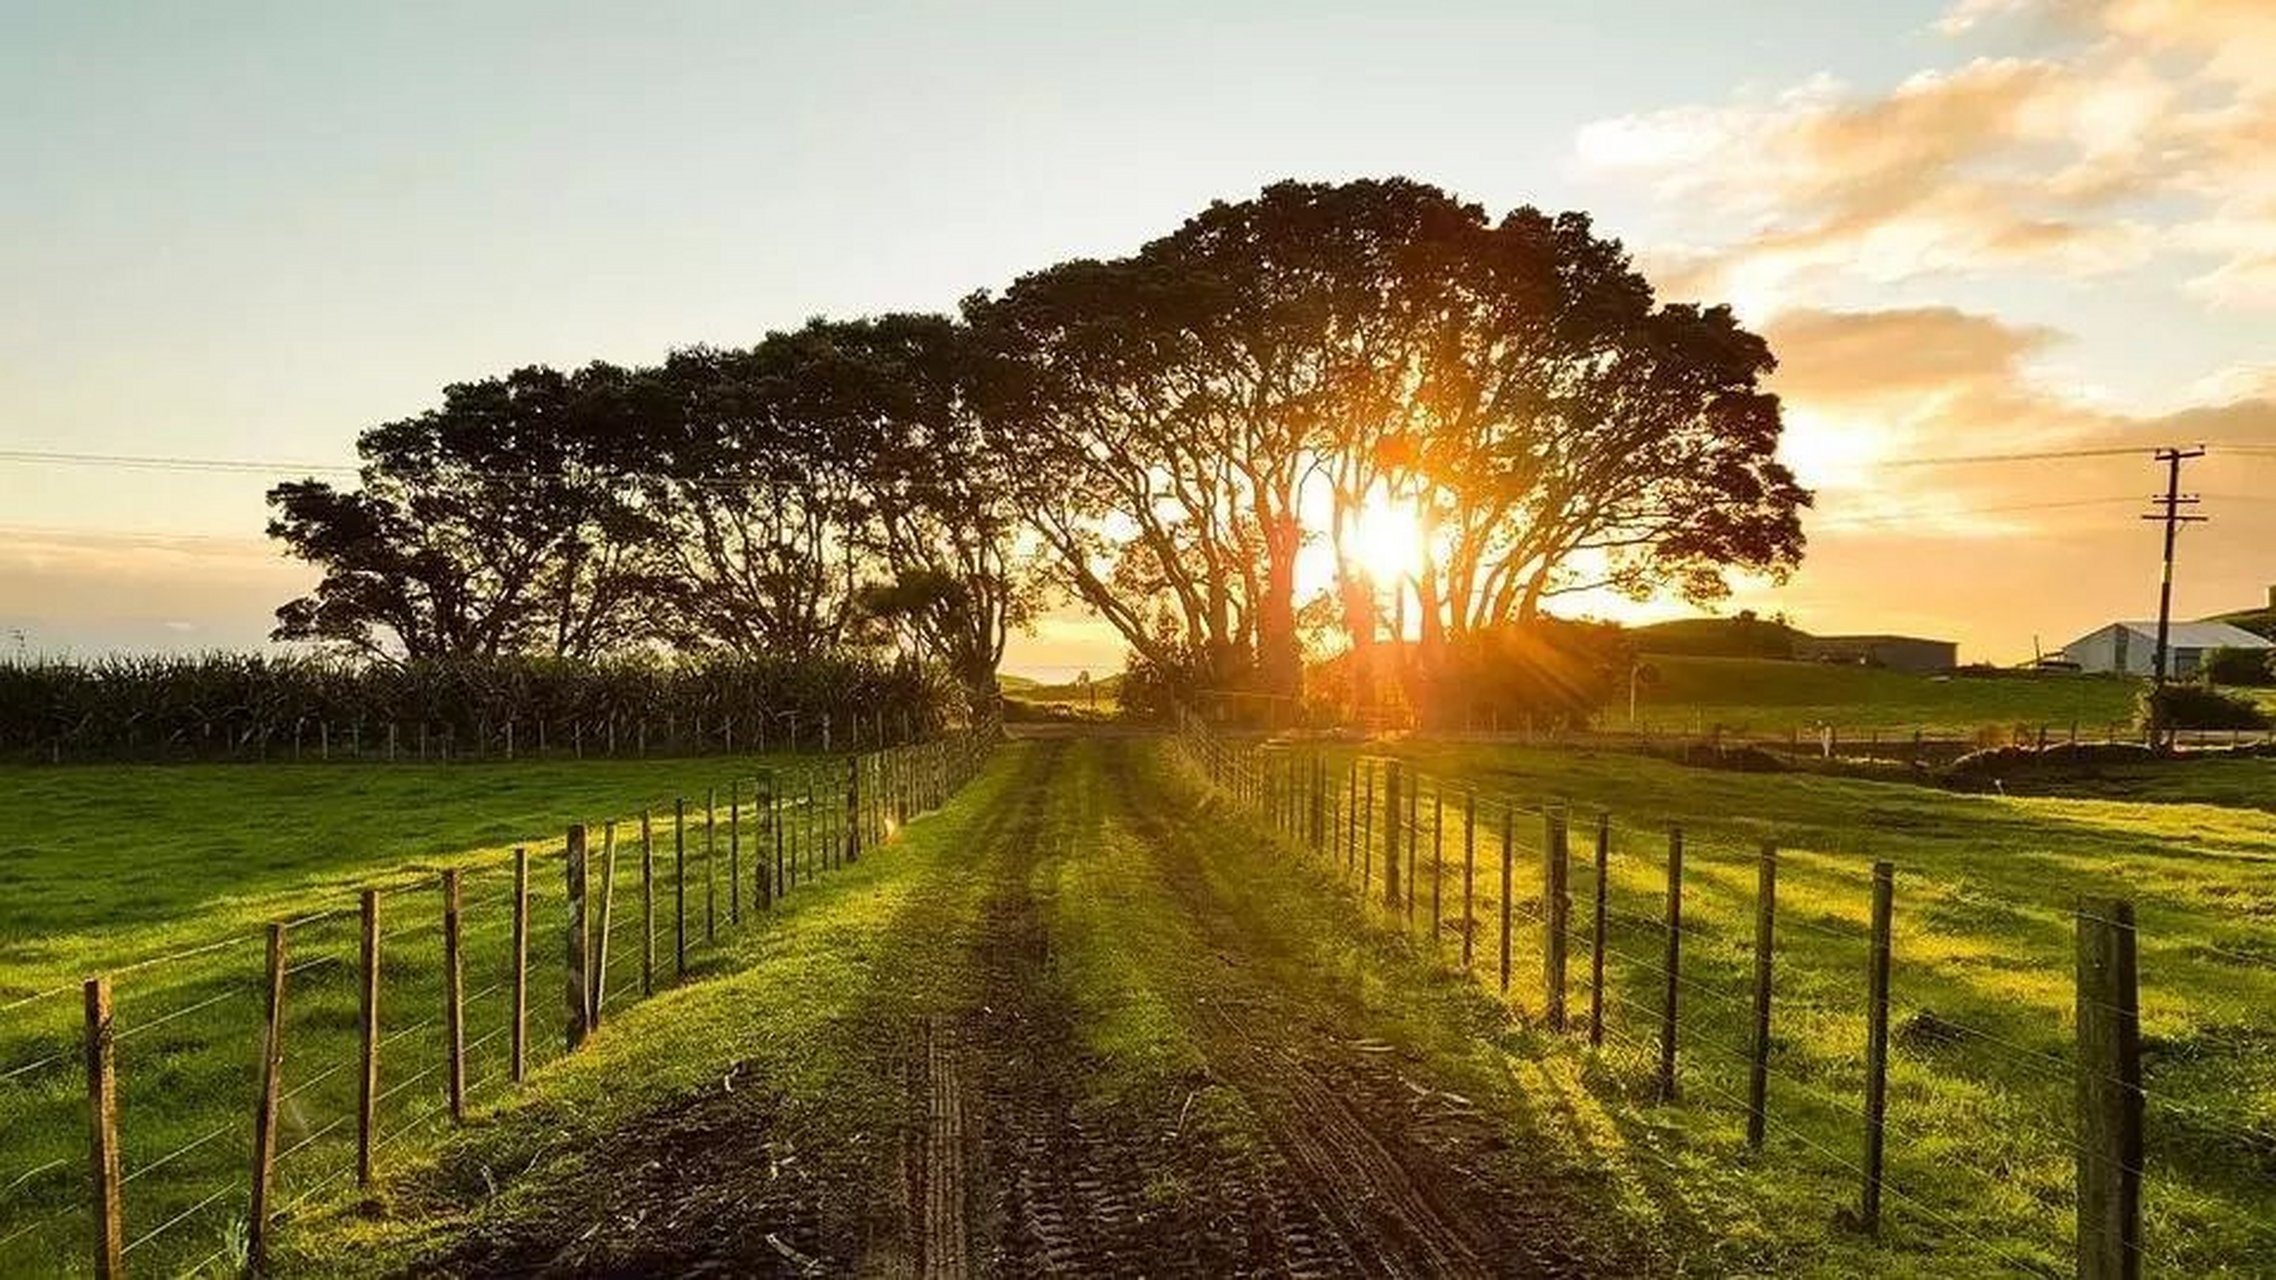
[{"x": 1128, "y": 1057}]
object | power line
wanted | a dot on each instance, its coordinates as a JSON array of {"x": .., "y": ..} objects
[
  {"x": 1908, "y": 517},
  {"x": 2033, "y": 456},
  {"x": 155, "y": 462}
]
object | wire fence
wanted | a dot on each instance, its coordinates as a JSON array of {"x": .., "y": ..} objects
[
  {"x": 1734, "y": 981},
  {"x": 133, "y": 1106}
]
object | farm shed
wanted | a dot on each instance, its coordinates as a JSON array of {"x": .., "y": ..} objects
[
  {"x": 1897, "y": 653},
  {"x": 2129, "y": 648}
]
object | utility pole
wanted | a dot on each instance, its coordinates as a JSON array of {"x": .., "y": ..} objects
[{"x": 2170, "y": 511}]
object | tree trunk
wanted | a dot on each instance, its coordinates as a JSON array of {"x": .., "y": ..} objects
[{"x": 1280, "y": 658}]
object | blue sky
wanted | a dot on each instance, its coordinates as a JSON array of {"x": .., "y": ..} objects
[{"x": 234, "y": 230}]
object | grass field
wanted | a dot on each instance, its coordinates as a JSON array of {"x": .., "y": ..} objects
[
  {"x": 1165, "y": 933},
  {"x": 1766, "y": 696},
  {"x": 1982, "y": 1087},
  {"x": 166, "y": 876}
]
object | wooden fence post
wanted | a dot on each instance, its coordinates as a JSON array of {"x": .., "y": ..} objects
[
  {"x": 853, "y": 810},
  {"x": 1877, "y": 1044},
  {"x": 575, "y": 937},
  {"x": 735, "y": 851},
  {"x": 454, "y": 997},
  {"x": 367, "y": 1076},
  {"x": 103, "y": 1131},
  {"x": 647, "y": 901},
  {"x": 766, "y": 807},
  {"x": 2109, "y": 1093},
  {"x": 710, "y": 852},
  {"x": 601, "y": 928},
  {"x": 1556, "y": 911},
  {"x": 1391, "y": 781},
  {"x": 265, "y": 1109},
  {"x": 1509, "y": 858},
  {"x": 1673, "y": 961},
  {"x": 679, "y": 889},
  {"x": 1367, "y": 836},
  {"x": 518, "y": 1034},
  {"x": 1437, "y": 865},
  {"x": 1765, "y": 938},
  {"x": 1414, "y": 838},
  {"x": 1351, "y": 816},
  {"x": 1603, "y": 909},
  {"x": 1469, "y": 872}
]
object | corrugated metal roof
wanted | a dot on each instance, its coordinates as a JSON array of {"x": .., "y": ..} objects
[{"x": 2200, "y": 635}]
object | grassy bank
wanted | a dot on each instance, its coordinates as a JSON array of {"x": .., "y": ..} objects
[
  {"x": 775, "y": 1038},
  {"x": 165, "y": 878},
  {"x": 1982, "y": 1084}
]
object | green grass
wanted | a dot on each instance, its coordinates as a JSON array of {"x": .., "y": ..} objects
[
  {"x": 779, "y": 1019},
  {"x": 1982, "y": 1094},
  {"x": 1761, "y": 695},
  {"x": 115, "y": 869}
]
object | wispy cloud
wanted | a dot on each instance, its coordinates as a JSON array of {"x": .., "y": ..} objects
[{"x": 2143, "y": 133}]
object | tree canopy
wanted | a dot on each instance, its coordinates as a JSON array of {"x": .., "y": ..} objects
[{"x": 1207, "y": 443}]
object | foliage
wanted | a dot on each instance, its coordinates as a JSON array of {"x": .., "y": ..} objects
[
  {"x": 255, "y": 706},
  {"x": 1509, "y": 385},
  {"x": 494, "y": 524},
  {"x": 2190, "y": 706},
  {"x": 828, "y": 492},
  {"x": 2251, "y": 667}
]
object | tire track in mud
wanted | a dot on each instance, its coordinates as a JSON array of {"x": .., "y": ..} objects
[
  {"x": 1044, "y": 1190},
  {"x": 1388, "y": 1185}
]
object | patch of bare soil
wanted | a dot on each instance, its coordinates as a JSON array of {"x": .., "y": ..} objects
[
  {"x": 1400, "y": 1176},
  {"x": 707, "y": 1188},
  {"x": 1362, "y": 1165}
]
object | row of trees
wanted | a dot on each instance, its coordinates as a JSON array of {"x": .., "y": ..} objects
[
  {"x": 1163, "y": 437},
  {"x": 825, "y": 492}
]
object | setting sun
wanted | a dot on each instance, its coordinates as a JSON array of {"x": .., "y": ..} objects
[{"x": 1390, "y": 541}]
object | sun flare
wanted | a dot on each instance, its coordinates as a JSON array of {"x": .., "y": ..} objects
[{"x": 1388, "y": 539}]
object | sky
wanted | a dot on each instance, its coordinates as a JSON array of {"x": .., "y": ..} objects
[{"x": 1968, "y": 227}]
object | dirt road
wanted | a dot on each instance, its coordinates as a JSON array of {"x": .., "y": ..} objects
[{"x": 1143, "y": 1046}]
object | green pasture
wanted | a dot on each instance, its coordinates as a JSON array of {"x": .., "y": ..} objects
[
  {"x": 1764, "y": 696},
  {"x": 1982, "y": 1102},
  {"x": 166, "y": 877}
]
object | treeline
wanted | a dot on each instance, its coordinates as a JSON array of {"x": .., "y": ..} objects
[
  {"x": 255, "y": 707},
  {"x": 1462, "y": 418}
]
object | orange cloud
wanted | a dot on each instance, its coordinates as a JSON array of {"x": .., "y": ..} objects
[{"x": 2146, "y": 131}]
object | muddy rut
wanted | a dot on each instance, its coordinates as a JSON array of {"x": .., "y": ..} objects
[{"x": 1348, "y": 1160}]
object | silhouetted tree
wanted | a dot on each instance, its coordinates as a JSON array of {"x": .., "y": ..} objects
[
  {"x": 497, "y": 523},
  {"x": 1326, "y": 348}
]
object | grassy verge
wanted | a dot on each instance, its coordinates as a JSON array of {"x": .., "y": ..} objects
[
  {"x": 800, "y": 1019},
  {"x": 165, "y": 877},
  {"x": 1982, "y": 1087}
]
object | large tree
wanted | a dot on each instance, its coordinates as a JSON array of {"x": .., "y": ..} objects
[
  {"x": 1573, "y": 435},
  {"x": 496, "y": 523},
  {"x": 1293, "y": 361}
]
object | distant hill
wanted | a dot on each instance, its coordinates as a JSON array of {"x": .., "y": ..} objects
[{"x": 1744, "y": 636}]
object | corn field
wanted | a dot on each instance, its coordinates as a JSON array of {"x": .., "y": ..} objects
[{"x": 258, "y": 707}]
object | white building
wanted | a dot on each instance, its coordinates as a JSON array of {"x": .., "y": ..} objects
[{"x": 2130, "y": 647}]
